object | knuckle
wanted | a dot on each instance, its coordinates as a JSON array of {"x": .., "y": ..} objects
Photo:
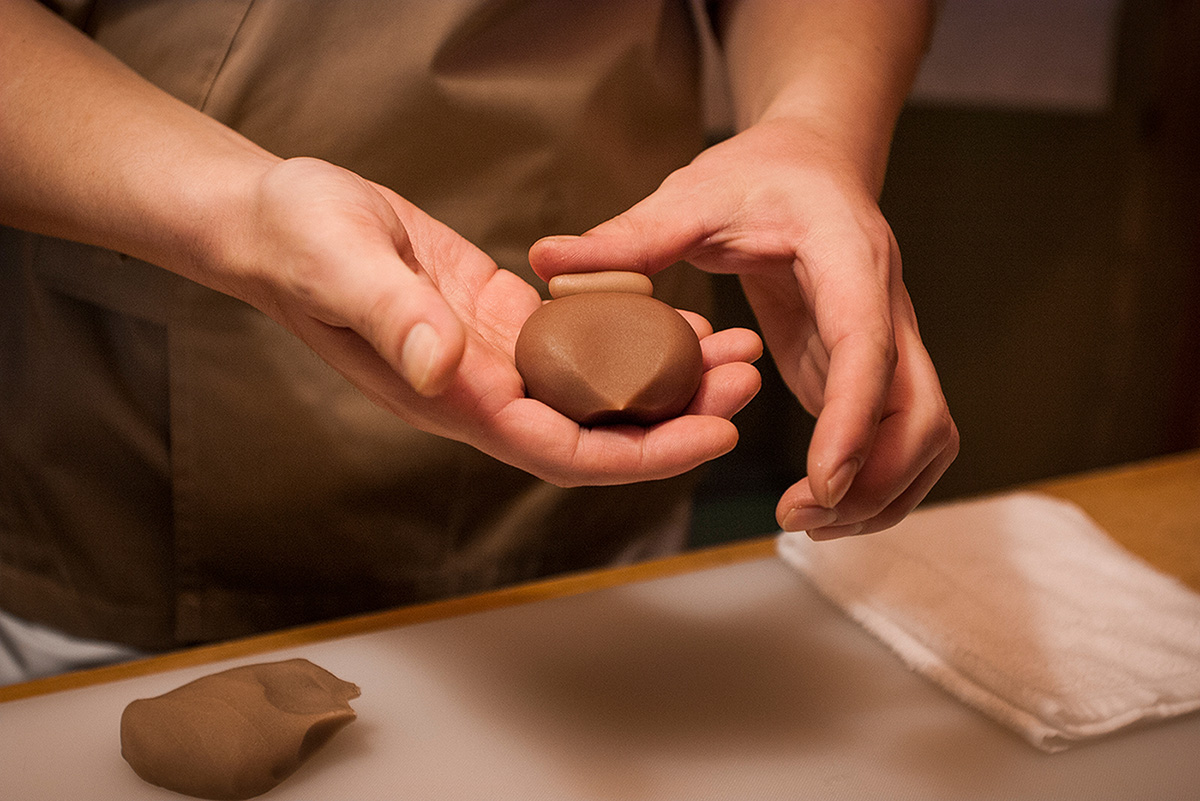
[
  {"x": 887, "y": 518},
  {"x": 945, "y": 432}
]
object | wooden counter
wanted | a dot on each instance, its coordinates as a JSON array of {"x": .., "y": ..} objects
[
  {"x": 718, "y": 674},
  {"x": 1152, "y": 508}
]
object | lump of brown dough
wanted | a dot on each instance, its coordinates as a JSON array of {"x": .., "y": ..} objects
[
  {"x": 238, "y": 733},
  {"x": 605, "y": 357}
]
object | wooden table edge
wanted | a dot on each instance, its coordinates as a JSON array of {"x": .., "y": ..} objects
[
  {"x": 556, "y": 587},
  {"x": 561, "y": 586}
]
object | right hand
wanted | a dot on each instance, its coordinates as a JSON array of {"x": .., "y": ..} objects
[
  {"x": 425, "y": 325},
  {"x": 796, "y": 219}
]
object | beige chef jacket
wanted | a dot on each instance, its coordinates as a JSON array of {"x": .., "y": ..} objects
[{"x": 176, "y": 468}]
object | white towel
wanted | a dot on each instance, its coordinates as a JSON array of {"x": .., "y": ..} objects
[{"x": 1021, "y": 606}]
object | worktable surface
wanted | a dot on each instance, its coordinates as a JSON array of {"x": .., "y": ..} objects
[{"x": 710, "y": 675}]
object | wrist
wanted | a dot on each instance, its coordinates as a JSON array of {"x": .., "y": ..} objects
[
  {"x": 213, "y": 232},
  {"x": 841, "y": 70},
  {"x": 818, "y": 140}
]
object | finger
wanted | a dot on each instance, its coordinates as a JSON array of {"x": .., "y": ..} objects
[
  {"x": 914, "y": 445},
  {"x": 648, "y": 237},
  {"x": 915, "y": 430},
  {"x": 884, "y": 481},
  {"x": 698, "y": 322},
  {"x": 572, "y": 455},
  {"x": 725, "y": 390},
  {"x": 859, "y": 373},
  {"x": 728, "y": 345},
  {"x": 854, "y": 320},
  {"x": 373, "y": 284},
  {"x": 410, "y": 325},
  {"x": 360, "y": 362},
  {"x": 902, "y": 506},
  {"x": 731, "y": 345}
]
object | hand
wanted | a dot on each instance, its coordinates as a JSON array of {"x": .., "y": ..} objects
[
  {"x": 418, "y": 319},
  {"x": 782, "y": 207},
  {"x": 425, "y": 325}
]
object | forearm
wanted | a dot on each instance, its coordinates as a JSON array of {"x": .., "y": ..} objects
[
  {"x": 843, "y": 68},
  {"x": 92, "y": 152}
]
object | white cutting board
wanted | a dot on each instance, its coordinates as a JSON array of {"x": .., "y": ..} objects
[{"x": 737, "y": 682}]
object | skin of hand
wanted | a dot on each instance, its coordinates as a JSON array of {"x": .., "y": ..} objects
[
  {"x": 417, "y": 318},
  {"x": 342, "y": 241},
  {"x": 789, "y": 204}
]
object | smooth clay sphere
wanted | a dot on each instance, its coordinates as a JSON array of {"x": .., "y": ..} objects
[{"x": 605, "y": 352}]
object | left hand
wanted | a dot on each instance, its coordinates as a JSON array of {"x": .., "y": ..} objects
[
  {"x": 782, "y": 207},
  {"x": 351, "y": 268}
]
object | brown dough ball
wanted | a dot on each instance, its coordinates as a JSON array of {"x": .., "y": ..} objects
[
  {"x": 238, "y": 733},
  {"x": 605, "y": 358}
]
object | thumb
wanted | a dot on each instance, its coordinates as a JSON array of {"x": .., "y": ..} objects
[
  {"x": 649, "y": 237},
  {"x": 405, "y": 319},
  {"x": 431, "y": 348},
  {"x": 421, "y": 338},
  {"x": 407, "y": 329}
]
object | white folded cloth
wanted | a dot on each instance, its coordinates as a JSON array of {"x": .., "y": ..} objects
[{"x": 1021, "y": 606}]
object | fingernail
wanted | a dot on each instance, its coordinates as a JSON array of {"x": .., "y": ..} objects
[
  {"x": 804, "y": 518},
  {"x": 839, "y": 482},
  {"x": 555, "y": 239},
  {"x": 418, "y": 357},
  {"x": 836, "y": 532}
]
